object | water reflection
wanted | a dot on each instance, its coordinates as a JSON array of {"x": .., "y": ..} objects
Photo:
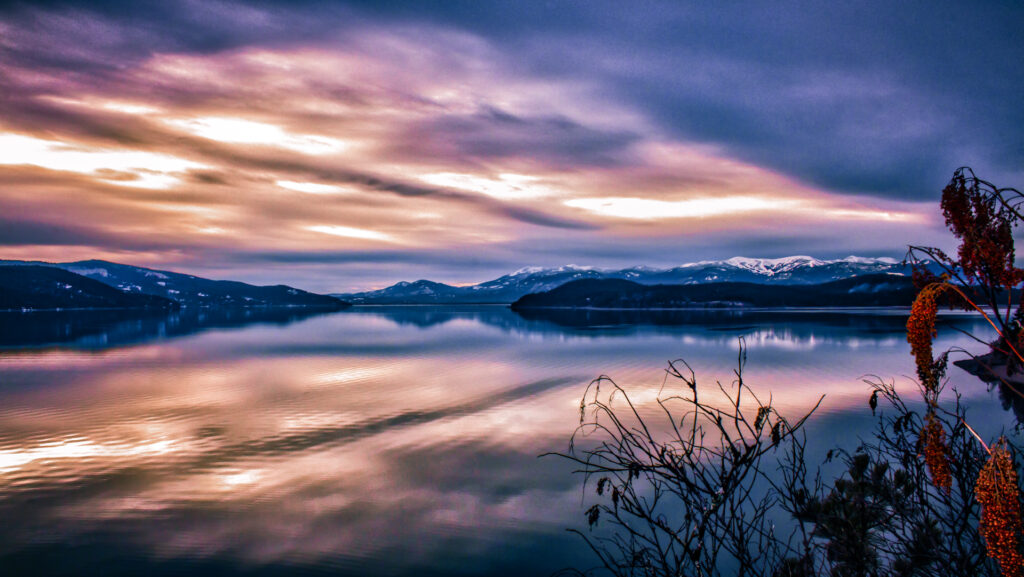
[
  {"x": 370, "y": 441},
  {"x": 109, "y": 328},
  {"x": 113, "y": 328}
]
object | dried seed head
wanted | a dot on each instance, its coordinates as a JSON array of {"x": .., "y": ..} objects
[
  {"x": 932, "y": 442},
  {"x": 997, "y": 493},
  {"x": 921, "y": 331},
  {"x": 762, "y": 417},
  {"x": 777, "y": 432},
  {"x": 985, "y": 229}
]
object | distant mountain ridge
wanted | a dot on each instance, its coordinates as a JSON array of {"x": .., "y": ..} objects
[
  {"x": 873, "y": 290},
  {"x": 794, "y": 270},
  {"x": 188, "y": 290},
  {"x": 49, "y": 288}
]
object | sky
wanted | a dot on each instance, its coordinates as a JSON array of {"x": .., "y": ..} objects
[{"x": 347, "y": 146}]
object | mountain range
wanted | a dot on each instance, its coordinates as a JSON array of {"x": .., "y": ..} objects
[
  {"x": 794, "y": 270},
  {"x": 182, "y": 289},
  {"x": 163, "y": 289}
]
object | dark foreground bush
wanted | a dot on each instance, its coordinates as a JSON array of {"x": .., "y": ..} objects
[{"x": 714, "y": 481}]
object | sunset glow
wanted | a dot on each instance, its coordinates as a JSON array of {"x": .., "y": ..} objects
[
  {"x": 350, "y": 232},
  {"x": 641, "y": 208},
  {"x": 310, "y": 187},
  {"x": 505, "y": 186},
  {"x": 118, "y": 166},
  {"x": 239, "y": 131}
]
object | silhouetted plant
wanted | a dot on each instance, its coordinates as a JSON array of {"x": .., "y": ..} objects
[{"x": 684, "y": 491}]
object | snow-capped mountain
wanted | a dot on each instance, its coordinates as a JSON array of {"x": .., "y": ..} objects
[
  {"x": 532, "y": 279},
  {"x": 794, "y": 270},
  {"x": 788, "y": 270}
]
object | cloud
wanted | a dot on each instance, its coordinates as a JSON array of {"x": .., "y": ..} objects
[
  {"x": 493, "y": 134},
  {"x": 878, "y": 99},
  {"x": 647, "y": 209},
  {"x": 518, "y": 136},
  {"x": 119, "y": 166},
  {"x": 546, "y": 220},
  {"x": 19, "y": 231},
  {"x": 886, "y": 109},
  {"x": 310, "y": 187},
  {"x": 350, "y": 232}
]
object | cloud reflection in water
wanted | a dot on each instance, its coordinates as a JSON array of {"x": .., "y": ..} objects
[{"x": 385, "y": 440}]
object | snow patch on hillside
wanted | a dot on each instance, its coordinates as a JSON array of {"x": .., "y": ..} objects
[{"x": 90, "y": 271}]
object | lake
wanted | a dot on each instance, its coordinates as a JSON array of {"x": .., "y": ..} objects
[{"x": 378, "y": 440}]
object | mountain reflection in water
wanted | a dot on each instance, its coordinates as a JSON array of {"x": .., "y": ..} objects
[
  {"x": 113, "y": 328},
  {"x": 103, "y": 328}
]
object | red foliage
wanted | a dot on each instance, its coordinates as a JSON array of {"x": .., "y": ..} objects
[
  {"x": 996, "y": 492},
  {"x": 933, "y": 444},
  {"x": 921, "y": 331},
  {"x": 985, "y": 229}
]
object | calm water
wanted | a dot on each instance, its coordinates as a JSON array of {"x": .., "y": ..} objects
[{"x": 387, "y": 441}]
